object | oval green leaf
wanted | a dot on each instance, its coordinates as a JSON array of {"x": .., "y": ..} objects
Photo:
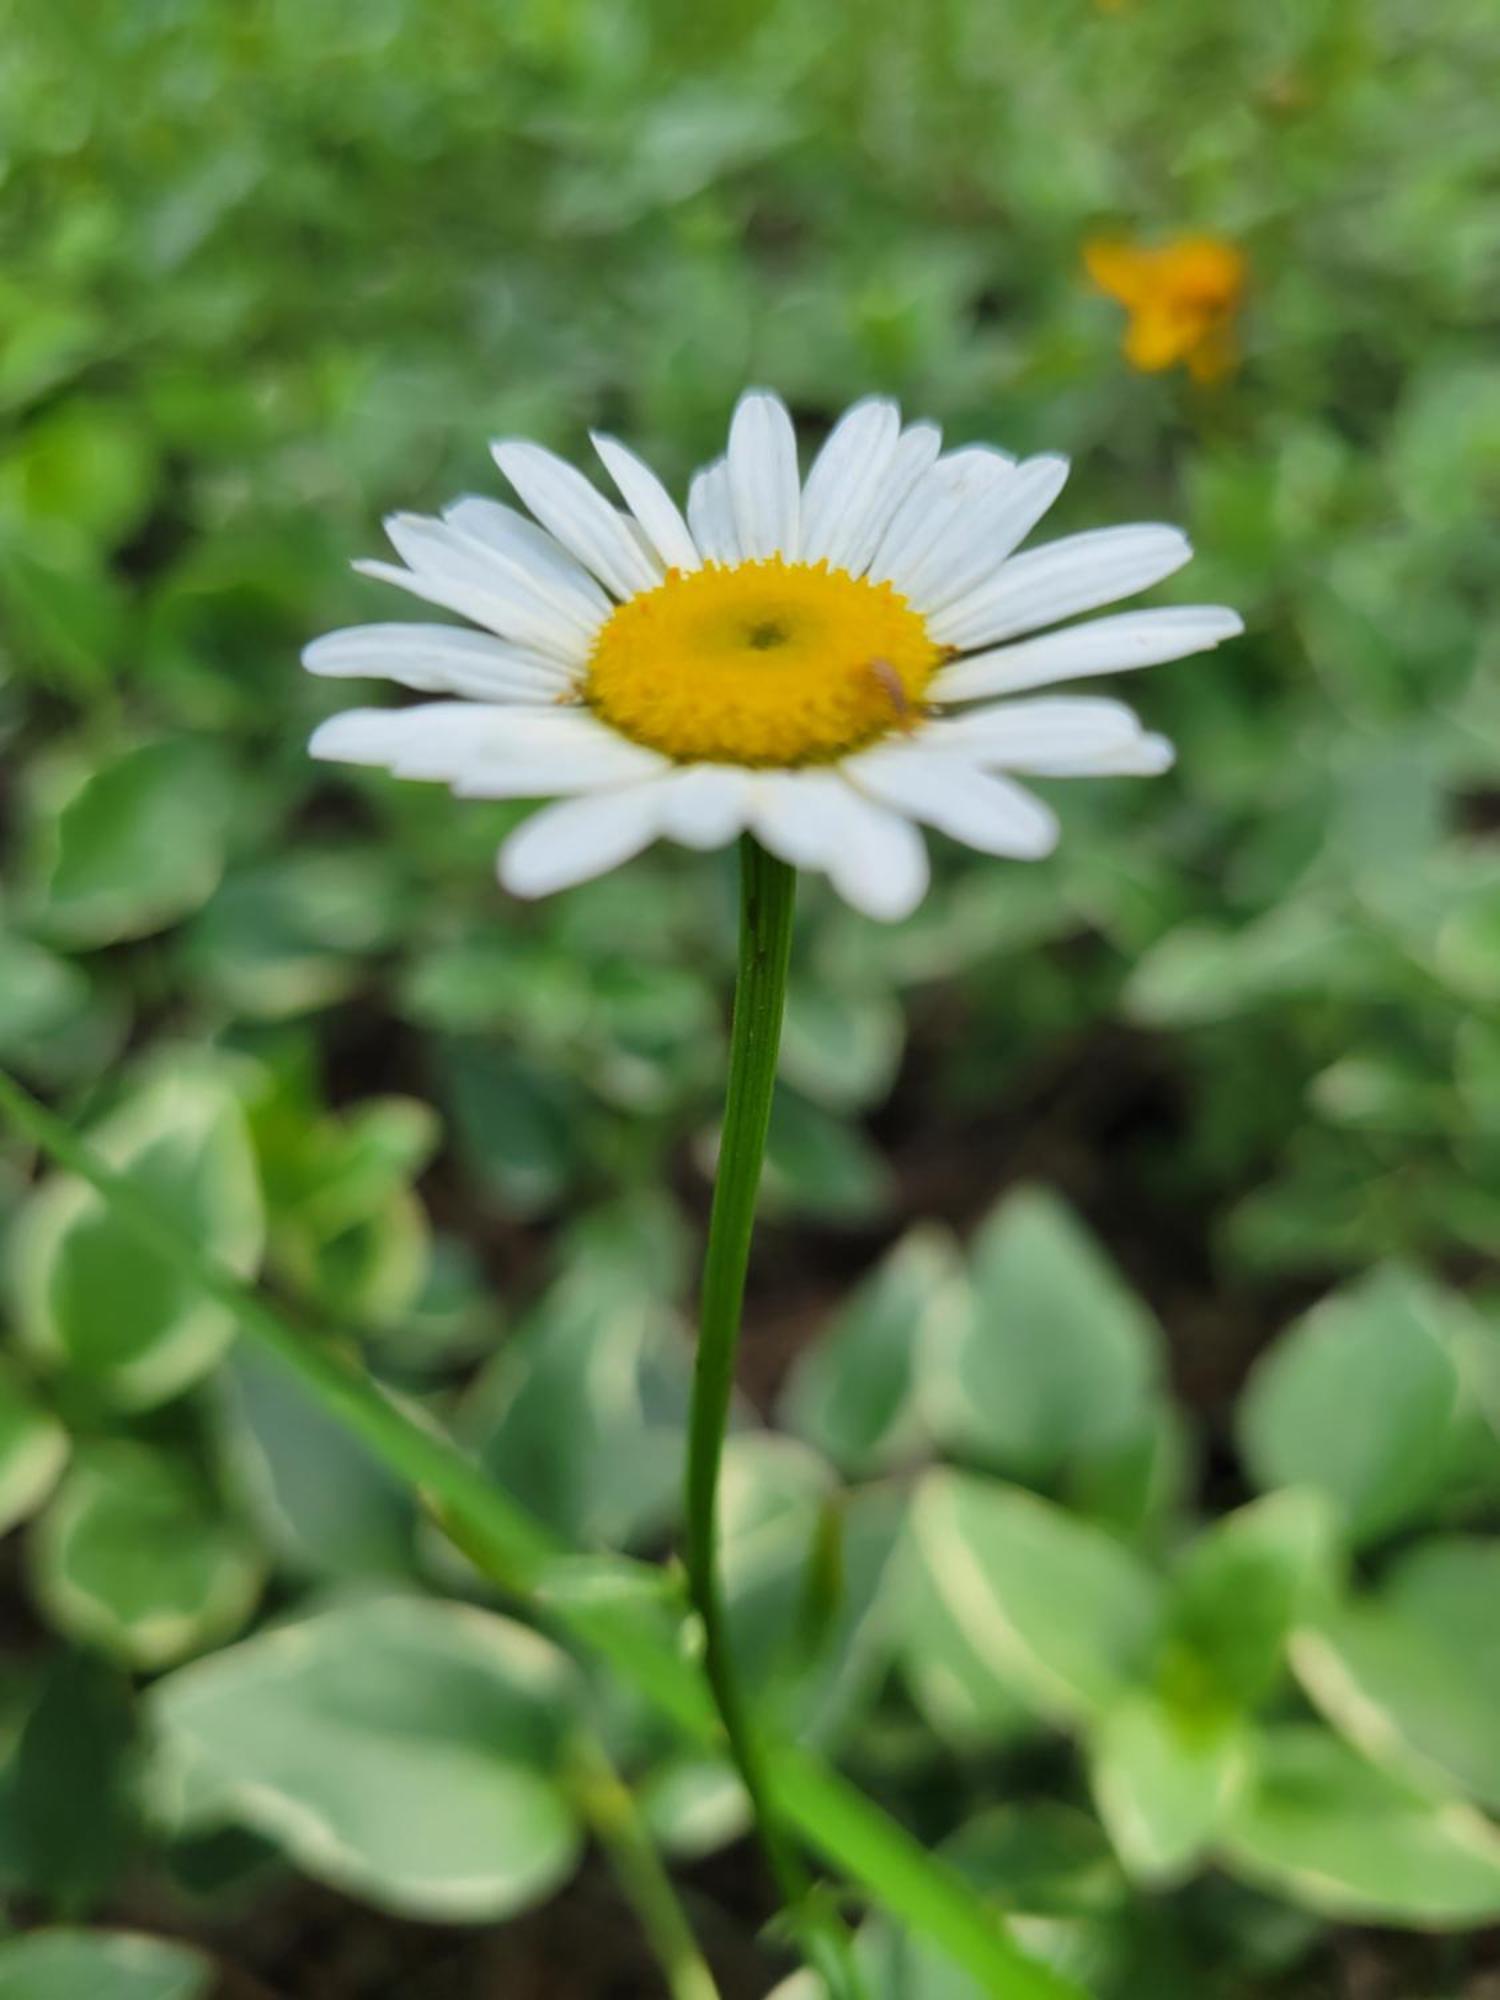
[
  {"x": 132, "y": 1557},
  {"x": 90, "y": 1297},
  {"x": 402, "y": 1749},
  {"x": 122, "y": 1965}
]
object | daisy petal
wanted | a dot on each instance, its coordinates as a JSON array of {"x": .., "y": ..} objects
[
  {"x": 1027, "y": 735},
  {"x": 1146, "y": 757},
  {"x": 485, "y": 751},
  {"x": 428, "y": 740},
  {"x": 814, "y": 819},
  {"x": 706, "y": 805},
  {"x": 765, "y": 488},
  {"x": 843, "y": 488},
  {"x": 450, "y": 569},
  {"x": 654, "y": 508},
  {"x": 441, "y": 658},
  {"x": 1053, "y": 582},
  {"x": 524, "y": 620},
  {"x": 968, "y": 804},
  {"x": 578, "y": 515},
  {"x": 998, "y": 522},
  {"x": 1104, "y": 646},
  {"x": 530, "y": 554},
  {"x": 443, "y": 552},
  {"x": 535, "y": 751},
  {"x": 577, "y": 839},
  {"x": 710, "y": 515},
  {"x": 937, "y": 500},
  {"x": 916, "y": 452}
]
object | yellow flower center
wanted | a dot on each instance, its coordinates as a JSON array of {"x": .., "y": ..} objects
[{"x": 770, "y": 663}]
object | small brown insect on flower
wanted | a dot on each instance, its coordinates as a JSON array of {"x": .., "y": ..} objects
[{"x": 891, "y": 685}]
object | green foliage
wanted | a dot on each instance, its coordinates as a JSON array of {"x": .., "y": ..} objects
[
  {"x": 268, "y": 276},
  {"x": 1319, "y": 1823},
  {"x": 33, "y": 1447},
  {"x": 410, "y": 1751},
  {"x": 131, "y": 1557},
  {"x": 61, "y": 1964},
  {"x": 1056, "y": 1364},
  {"x": 1362, "y": 1400},
  {"x": 89, "y": 1298}
]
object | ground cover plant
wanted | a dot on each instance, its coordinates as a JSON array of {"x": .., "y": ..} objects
[{"x": 1112, "y": 1488}]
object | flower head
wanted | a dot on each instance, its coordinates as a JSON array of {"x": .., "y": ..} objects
[
  {"x": 813, "y": 662},
  {"x": 1181, "y": 298}
]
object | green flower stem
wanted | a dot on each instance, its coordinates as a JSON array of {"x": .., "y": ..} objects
[
  {"x": 609, "y": 1806},
  {"x": 524, "y": 1559},
  {"x": 768, "y": 890}
]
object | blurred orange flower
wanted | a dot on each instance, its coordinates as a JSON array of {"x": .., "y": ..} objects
[{"x": 1181, "y": 298}]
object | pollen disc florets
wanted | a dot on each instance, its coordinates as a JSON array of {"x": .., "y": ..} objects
[{"x": 768, "y": 663}]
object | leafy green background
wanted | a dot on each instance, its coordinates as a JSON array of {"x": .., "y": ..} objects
[{"x": 1126, "y": 1295}]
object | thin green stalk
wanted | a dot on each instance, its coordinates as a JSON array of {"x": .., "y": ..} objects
[
  {"x": 609, "y": 1806},
  {"x": 768, "y": 890},
  {"x": 526, "y": 1560}
]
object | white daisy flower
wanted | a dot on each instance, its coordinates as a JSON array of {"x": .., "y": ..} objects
[{"x": 816, "y": 663}]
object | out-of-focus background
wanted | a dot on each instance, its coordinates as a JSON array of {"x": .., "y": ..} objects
[{"x": 1210, "y": 1099}]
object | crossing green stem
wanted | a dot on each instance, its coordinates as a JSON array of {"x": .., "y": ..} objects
[{"x": 609, "y": 1806}]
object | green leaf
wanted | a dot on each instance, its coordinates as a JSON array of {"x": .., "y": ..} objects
[
  {"x": 852, "y": 1394},
  {"x": 1163, "y": 1778},
  {"x": 70, "y": 1810},
  {"x": 1468, "y": 947},
  {"x": 89, "y": 1297},
  {"x": 804, "y": 1581},
  {"x": 1137, "y": 1487},
  {"x": 131, "y": 1557},
  {"x": 521, "y": 1130},
  {"x": 85, "y": 468},
  {"x": 294, "y": 934},
  {"x": 1318, "y": 1824},
  {"x": 1057, "y": 1612},
  {"x": 1358, "y": 1400},
  {"x": 46, "y": 1002},
  {"x": 346, "y": 1229},
  {"x": 33, "y": 1449},
  {"x": 321, "y": 1500},
  {"x": 581, "y": 1414},
  {"x": 1410, "y": 1673},
  {"x": 133, "y": 844},
  {"x": 1239, "y": 1590},
  {"x": 402, "y": 1749},
  {"x": 1201, "y": 973},
  {"x": 1058, "y": 1362},
  {"x": 821, "y": 1165},
  {"x": 840, "y": 1047},
  {"x": 1043, "y": 1858},
  {"x": 694, "y": 1805},
  {"x": 124, "y": 1965},
  {"x": 55, "y": 1023}
]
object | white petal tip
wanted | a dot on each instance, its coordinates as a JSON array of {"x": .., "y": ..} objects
[
  {"x": 1039, "y": 848},
  {"x": 515, "y": 882},
  {"x": 351, "y": 738}
]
